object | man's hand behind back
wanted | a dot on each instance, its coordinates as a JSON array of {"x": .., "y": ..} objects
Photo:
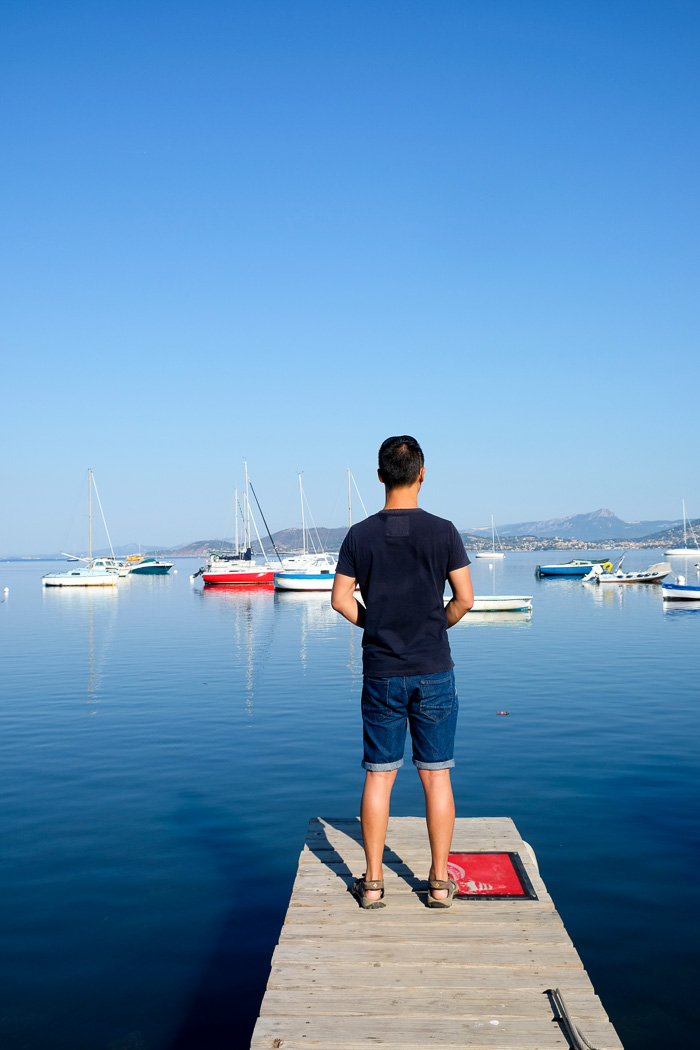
[{"x": 462, "y": 595}]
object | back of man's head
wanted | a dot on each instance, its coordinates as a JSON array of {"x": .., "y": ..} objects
[{"x": 400, "y": 461}]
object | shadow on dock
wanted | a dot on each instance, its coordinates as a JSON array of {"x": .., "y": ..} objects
[{"x": 335, "y": 858}]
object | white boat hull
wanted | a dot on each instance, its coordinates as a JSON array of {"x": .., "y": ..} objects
[
  {"x": 489, "y": 554},
  {"x": 77, "y": 579},
  {"x": 304, "y": 581},
  {"x": 676, "y": 592},
  {"x": 682, "y": 552},
  {"x": 499, "y": 603}
]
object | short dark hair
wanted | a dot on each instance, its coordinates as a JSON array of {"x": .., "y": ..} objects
[{"x": 400, "y": 461}]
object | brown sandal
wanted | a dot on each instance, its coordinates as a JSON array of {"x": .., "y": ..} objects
[
  {"x": 359, "y": 888},
  {"x": 441, "y": 884}
]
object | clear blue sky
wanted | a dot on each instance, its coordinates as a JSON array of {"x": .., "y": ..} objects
[{"x": 284, "y": 230}]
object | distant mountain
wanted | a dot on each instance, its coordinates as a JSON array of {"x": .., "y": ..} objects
[
  {"x": 291, "y": 539},
  {"x": 286, "y": 540},
  {"x": 600, "y": 524}
]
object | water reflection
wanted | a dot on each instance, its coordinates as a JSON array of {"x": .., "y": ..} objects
[
  {"x": 316, "y": 616},
  {"x": 497, "y": 619},
  {"x": 678, "y": 609},
  {"x": 244, "y": 603},
  {"x": 89, "y": 601}
]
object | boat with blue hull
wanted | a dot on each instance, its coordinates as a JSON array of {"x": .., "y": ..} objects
[
  {"x": 576, "y": 567},
  {"x": 305, "y": 581},
  {"x": 150, "y": 567},
  {"x": 680, "y": 591}
]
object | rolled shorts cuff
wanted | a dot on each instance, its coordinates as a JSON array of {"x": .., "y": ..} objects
[
  {"x": 382, "y": 767},
  {"x": 435, "y": 765}
]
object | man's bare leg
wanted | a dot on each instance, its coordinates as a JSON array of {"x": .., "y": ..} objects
[
  {"x": 374, "y": 814},
  {"x": 440, "y": 818}
]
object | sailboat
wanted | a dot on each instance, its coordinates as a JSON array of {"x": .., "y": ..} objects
[
  {"x": 308, "y": 571},
  {"x": 238, "y": 567},
  {"x": 92, "y": 574},
  {"x": 685, "y": 551},
  {"x": 493, "y": 553}
]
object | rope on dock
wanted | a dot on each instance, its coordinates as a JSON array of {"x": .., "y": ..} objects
[{"x": 576, "y": 1036}]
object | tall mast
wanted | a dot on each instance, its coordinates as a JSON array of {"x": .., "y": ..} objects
[
  {"x": 235, "y": 512},
  {"x": 246, "y": 510},
  {"x": 685, "y": 535},
  {"x": 303, "y": 530},
  {"x": 349, "y": 501},
  {"x": 89, "y": 517},
  {"x": 493, "y": 536}
]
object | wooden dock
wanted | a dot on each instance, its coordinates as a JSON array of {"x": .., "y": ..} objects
[{"x": 475, "y": 975}]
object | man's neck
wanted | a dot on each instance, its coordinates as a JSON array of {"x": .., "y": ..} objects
[{"x": 402, "y": 498}]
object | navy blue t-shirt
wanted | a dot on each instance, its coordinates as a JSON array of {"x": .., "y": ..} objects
[{"x": 401, "y": 559}]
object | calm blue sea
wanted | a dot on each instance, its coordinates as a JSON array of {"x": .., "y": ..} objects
[{"x": 162, "y": 748}]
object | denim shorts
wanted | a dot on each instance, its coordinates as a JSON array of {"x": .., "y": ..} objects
[{"x": 428, "y": 702}]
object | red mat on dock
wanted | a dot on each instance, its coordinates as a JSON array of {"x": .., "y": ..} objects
[{"x": 490, "y": 875}]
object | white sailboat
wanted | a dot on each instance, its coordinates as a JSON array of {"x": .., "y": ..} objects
[
  {"x": 685, "y": 551},
  {"x": 307, "y": 571},
  {"x": 94, "y": 573},
  {"x": 493, "y": 553}
]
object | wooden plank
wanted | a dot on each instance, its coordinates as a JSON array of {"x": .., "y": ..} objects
[
  {"x": 394, "y": 978},
  {"x": 440, "y": 1002},
  {"x": 409, "y": 935},
  {"x": 306, "y": 910},
  {"x": 523, "y": 1033},
  {"x": 438, "y": 954}
]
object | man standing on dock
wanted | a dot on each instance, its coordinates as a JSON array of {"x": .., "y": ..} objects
[{"x": 401, "y": 559}]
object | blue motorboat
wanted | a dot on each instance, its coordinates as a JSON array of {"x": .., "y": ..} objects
[{"x": 573, "y": 568}]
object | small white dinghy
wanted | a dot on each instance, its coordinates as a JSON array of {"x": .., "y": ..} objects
[{"x": 494, "y": 603}]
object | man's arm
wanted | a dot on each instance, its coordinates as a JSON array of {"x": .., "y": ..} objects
[
  {"x": 462, "y": 595},
  {"x": 343, "y": 600}
]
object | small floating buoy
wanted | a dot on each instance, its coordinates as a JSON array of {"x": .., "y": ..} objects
[
  {"x": 191, "y": 579},
  {"x": 502, "y": 712},
  {"x": 7, "y": 590},
  {"x": 174, "y": 572}
]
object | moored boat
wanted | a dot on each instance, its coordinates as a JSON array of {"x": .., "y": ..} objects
[
  {"x": 235, "y": 568},
  {"x": 111, "y": 565},
  {"x": 493, "y": 553},
  {"x": 487, "y": 603},
  {"x": 680, "y": 591},
  {"x": 685, "y": 551},
  {"x": 307, "y": 571},
  {"x": 577, "y": 567},
  {"x": 85, "y": 576},
  {"x": 654, "y": 574},
  {"x": 94, "y": 573},
  {"x": 309, "y": 580},
  {"x": 150, "y": 567},
  {"x": 501, "y": 603}
]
